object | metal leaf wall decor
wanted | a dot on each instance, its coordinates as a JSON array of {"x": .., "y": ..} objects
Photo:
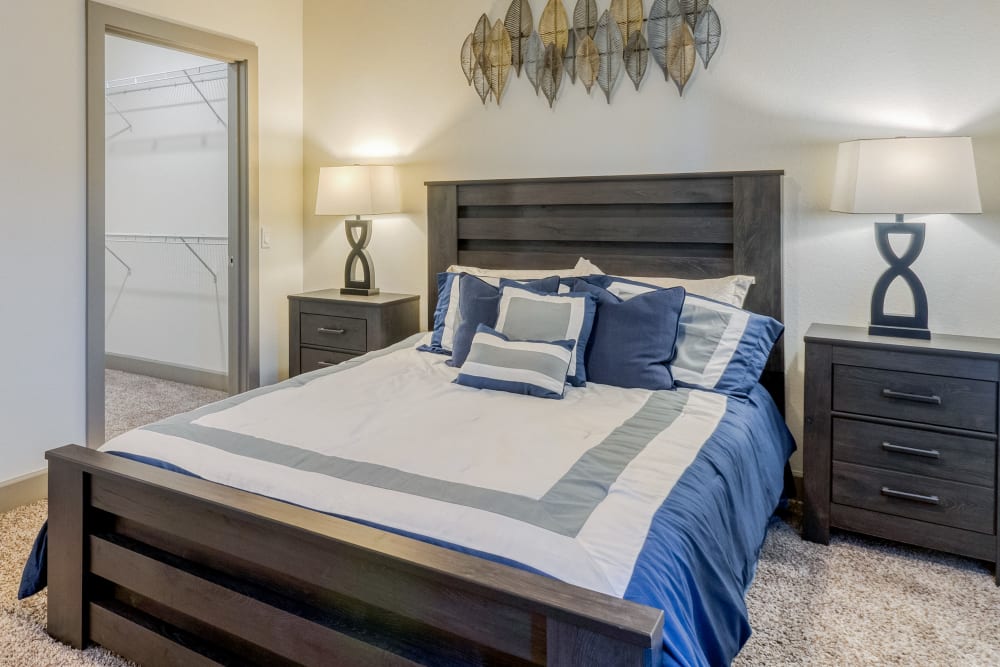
[
  {"x": 610, "y": 47},
  {"x": 628, "y": 15},
  {"x": 554, "y": 25},
  {"x": 479, "y": 36},
  {"x": 468, "y": 59},
  {"x": 585, "y": 16},
  {"x": 498, "y": 56},
  {"x": 533, "y": 58},
  {"x": 681, "y": 56},
  {"x": 520, "y": 24},
  {"x": 659, "y": 28},
  {"x": 480, "y": 81},
  {"x": 707, "y": 34},
  {"x": 551, "y": 75},
  {"x": 569, "y": 58},
  {"x": 588, "y": 62},
  {"x": 592, "y": 48},
  {"x": 692, "y": 10},
  {"x": 636, "y": 57}
]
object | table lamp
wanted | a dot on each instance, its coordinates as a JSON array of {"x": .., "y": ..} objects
[
  {"x": 358, "y": 190},
  {"x": 904, "y": 176}
]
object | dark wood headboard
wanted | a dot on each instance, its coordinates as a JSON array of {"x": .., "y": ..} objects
[{"x": 681, "y": 225}]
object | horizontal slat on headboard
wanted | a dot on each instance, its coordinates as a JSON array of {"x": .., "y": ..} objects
[
  {"x": 683, "y": 225},
  {"x": 597, "y": 191}
]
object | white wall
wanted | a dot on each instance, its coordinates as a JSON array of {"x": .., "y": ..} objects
[
  {"x": 789, "y": 82},
  {"x": 43, "y": 199},
  {"x": 166, "y": 173}
]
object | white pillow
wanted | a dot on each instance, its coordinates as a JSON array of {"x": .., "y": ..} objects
[
  {"x": 731, "y": 290},
  {"x": 583, "y": 268}
]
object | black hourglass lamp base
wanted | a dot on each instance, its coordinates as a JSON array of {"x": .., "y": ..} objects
[
  {"x": 903, "y": 326},
  {"x": 359, "y": 256}
]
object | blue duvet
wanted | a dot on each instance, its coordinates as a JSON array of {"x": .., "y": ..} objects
[{"x": 701, "y": 552}]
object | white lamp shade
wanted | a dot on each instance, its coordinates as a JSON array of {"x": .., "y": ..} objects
[
  {"x": 909, "y": 175},
  {"x": 357, "y": 190}
]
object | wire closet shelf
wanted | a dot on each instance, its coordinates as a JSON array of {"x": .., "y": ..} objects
[
  {"x": 187, "y": 241},
  {"x": 207, "y": 84}
]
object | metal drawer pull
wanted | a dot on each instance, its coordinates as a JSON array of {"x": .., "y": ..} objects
[
  {"x": 893, "y": 493},
  {"x": 913, "y": 451},
  {"x": 916, "y": 398},
  {"x": 335, "y": 332},
  {"x": 325, "y": 363}
]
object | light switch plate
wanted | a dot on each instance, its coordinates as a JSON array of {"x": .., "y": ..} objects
[{"x": 265, "y": 238}]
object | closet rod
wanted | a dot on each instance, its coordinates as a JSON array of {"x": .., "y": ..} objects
[{"x": 168, "y": 238}]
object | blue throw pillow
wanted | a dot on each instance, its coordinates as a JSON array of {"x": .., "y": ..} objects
[
  {"x": 532, "y": 368},
  {"x": 448, "y": 304},
  {"x": 719, "y": 347},
  {"x": 527, "y": 315},
  {"x": 633, "y": 341},
  {"x": 478, "y": 303}
]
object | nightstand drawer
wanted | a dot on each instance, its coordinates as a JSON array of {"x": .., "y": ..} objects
[
  {"x": 968, "y": 460},
  {"x": 933, "y": 500},
  {"x": 311, "y": 359},
  {"x": 928, "y": 399},
  {"x": 343, "y": 333}
]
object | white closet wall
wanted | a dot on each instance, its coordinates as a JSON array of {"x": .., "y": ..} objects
[{"x": 166, "y": 177}]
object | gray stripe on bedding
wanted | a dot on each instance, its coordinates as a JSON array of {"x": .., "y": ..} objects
[
  {"x": 297, "y": 381},
  {"x": 564, "y": 509}
]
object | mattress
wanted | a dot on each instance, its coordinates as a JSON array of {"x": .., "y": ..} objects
[{"x": 659, "y": 497}]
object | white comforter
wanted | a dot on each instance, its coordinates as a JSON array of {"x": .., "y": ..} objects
[{"x": 565, "y": 487}]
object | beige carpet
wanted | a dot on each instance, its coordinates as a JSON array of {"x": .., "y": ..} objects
[
  {"x": 856, "y": 602},
  {"x": 131, "y": 400}
]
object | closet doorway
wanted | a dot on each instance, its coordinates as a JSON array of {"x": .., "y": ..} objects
[{"x": 171, "y": 219}]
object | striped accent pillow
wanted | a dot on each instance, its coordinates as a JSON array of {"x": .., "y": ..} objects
[
  {"x": 532, "y": 368},
  {"x": 719, "y": 347},
  {"x": 528, "y": 315}
]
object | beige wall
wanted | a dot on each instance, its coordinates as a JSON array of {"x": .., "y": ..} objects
[
  {"x": 42, "y": 203},
  {"x": 790, "y": 80}
]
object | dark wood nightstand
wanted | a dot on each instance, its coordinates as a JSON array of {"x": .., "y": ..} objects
[
  {"x": 327, "y": 327},
  {"x": 901, "y": 439}
]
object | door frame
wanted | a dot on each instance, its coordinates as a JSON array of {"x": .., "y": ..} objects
[{"x": 244, "y": 215}]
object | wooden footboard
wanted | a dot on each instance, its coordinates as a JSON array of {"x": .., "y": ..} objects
[{"x": 166, "y": 569}]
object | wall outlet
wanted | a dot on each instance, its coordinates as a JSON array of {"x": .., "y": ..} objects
[{"x": 265, "y": 238}]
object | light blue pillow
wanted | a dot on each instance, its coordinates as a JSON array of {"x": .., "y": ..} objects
[
  {"x": 532, "y": 368},
  {"x": 719, "y": 347},
  {"x": 527, "y": 315},
  {"x": 446, "y": 314}
]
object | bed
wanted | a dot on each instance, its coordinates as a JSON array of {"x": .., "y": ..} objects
[{"x": 393, "y": 544}]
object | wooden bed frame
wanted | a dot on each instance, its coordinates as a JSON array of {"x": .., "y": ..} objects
[{"x": 166, "y": 569}]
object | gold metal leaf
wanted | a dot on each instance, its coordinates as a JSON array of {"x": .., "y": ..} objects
[
  {"x": 480, "y": 35},
  {"x": 692, "y": 10},
  {"x": 480, "y": 80},
  {"x": 569, "y": 59},
  {"x": 554, "y": 25},
  {"x": 628, "y": 15},
  {"x": 609, "y": 45},
  {"x": 534, "y": 56},
  {"x": 551, "y": 75},
  {"x": 681, "y": 56},
  {"x": 636, "y": 57},
  {"x": 585, "y": 17},
  {"x": 707, "y": 34},
  {"x": 665, "y": 18},
  {"x": 468, "y": 60},
  {"x": 588, "y": 62},
  {"x": 498, "y": 55},
  {"x": 520, "y": 24}
]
